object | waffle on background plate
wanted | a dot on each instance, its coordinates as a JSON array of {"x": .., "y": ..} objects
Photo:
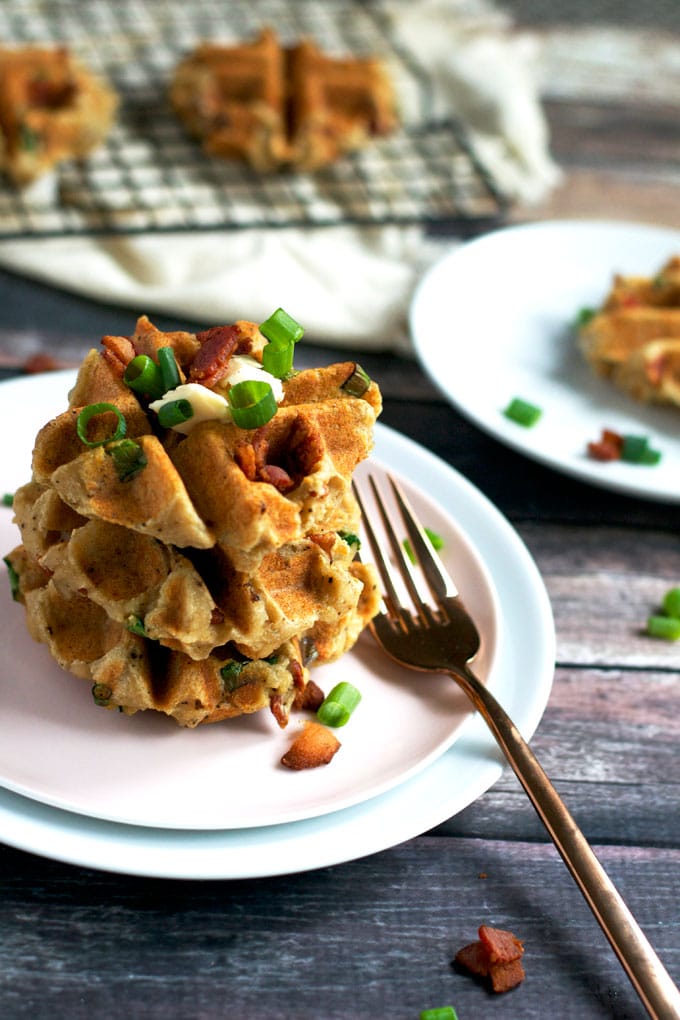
[
  {"x": 634, "y": 338},
  {"x": 207, "y": 582},
  {"x": 281, "y": 107},
  {"x": 51, "y": 108}
]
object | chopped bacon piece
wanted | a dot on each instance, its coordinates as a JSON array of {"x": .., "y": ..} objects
[
  {"x": 212, "y": 360},
  {"x": 296, "y": 455},
  {"x": 497, "y": 955},
  {"x": 309, "y": 698},
  {"x": 278, "y": 710},
  {"x": 607, "y": 447},
  {"x": 313, "y": 747},
  {"x": 118, "y": 352},
  {"x": 276, "y": 476}
]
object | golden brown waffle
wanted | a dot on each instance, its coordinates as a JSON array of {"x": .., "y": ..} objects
[
  {"x": 52, "y": 108},
  {"x": 277, "y": 107},
  {"x": 634, "y": 339},
  {"x": 197, "y": 587}
]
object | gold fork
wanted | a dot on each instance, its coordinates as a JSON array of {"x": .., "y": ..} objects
[{"x": 434, "y": 633}]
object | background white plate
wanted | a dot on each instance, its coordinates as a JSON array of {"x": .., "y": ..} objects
[
  {"x": 59, "y": 748},
  {"x": 522, "y": 681},
  {"x": 493, "y": 320}
]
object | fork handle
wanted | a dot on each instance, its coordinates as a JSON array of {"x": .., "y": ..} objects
[{"x": 649, "y": 977}]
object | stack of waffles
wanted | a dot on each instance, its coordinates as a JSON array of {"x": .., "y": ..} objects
[
  {"x": 205, "y": 585},
  {"x": 277, "y": 107},
  {"x": 634, "y": 338},
  {"x": 51, "y": 108}
]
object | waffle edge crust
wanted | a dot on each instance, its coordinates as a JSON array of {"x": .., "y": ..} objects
[{"x": 208, "y": 584}]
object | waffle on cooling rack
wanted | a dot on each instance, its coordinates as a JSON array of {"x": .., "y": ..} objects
[
  {"x": 634, "y": 338},
  {"x": 205, "y": 582},
  {"x": 281, "y": 107},
  {"x": 51, "y": 108}
]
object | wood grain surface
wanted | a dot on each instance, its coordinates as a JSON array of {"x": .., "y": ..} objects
[{"x": 375, "y": 937}]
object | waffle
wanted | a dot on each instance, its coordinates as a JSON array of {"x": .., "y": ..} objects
[
  {"x": 278, "y": 107},
  {"x": 634, "y": 338},
  {"x": 52, "y": 108},
  {"x": 199, "y": 587}
]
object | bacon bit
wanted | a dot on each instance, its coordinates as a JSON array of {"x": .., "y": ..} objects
[
  {"x": 42, "y": 363},
  {"x": 608, "y": 447},
  {"x": 305, "y": 446},
  {"x": 118, "y": 352},
  {"x": 212, "y": 360},
  {"x": 297, "y": 673},
  {"x": 313, "y": 747},
  {"x": 278, "y": 710},
  {"x": 252, "y": 459},
  {"x": 496, "y": 955},
  {"x": 324, "y": 539},
  {"x": 276, "y": 476},
  {"x": 309, "y": 698}
]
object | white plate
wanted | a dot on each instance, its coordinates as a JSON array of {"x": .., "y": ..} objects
[
  {"x": 493, "y": 320},
  {"x": 62, "y": 750},
  {"x": 522, "y": 680}
]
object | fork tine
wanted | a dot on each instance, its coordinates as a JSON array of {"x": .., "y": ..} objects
[
  {"x": 440, "y": 582},
  {"x": 404, "y": 565},
  {"x": 381, "y": 563}
]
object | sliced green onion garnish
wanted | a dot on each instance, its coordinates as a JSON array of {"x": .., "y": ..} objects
[
  {"x": 175, "y": 412},
  {"x": 671, "y": 602},
  {"x": 278, "y": 361},
  {"x": 350, "y": 538},
  {"x": 136, "y": 626},
  {"x": 522, "y": 412},
  {"x": 338, "y": 706},
  {"x": 636, "y": 450},
  {"x": 667, "y": 627},
  {"x": 436, "y": 540},
  {"x": 439, "y": 1013},
  {"x": 92, "y": 411},
  {"x": 357, "y": 383},
  {"x": 584, "y": 316},
  {"x": 129, "y": 458},
  {"x": 13, "y": 579},
  {"x": 8, "y": 499},
  {"x": 169, "y": 370},
  {"x": 281, "y": 329},
  {"x": 230, "y": 674},
  {"x": 101, "y": 694},
  {"x": 143, "y": 376},
  {"x": 252, "y": 403}
]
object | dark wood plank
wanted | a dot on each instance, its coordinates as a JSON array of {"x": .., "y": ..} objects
[{"x": 370, "y": 938}]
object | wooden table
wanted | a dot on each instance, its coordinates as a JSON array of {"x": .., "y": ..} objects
[{"x": 375, "y": 937}]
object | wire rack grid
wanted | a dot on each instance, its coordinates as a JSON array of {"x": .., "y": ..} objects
[{"x": 149, "y": 176}]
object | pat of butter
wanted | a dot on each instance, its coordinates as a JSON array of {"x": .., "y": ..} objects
[{"x": 208, "y": 405}]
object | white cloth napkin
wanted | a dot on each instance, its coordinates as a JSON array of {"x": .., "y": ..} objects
[{"x": 347, "y": 285}]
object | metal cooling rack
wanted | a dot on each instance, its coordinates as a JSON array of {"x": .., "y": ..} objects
[{"x": 150, "y": 176}]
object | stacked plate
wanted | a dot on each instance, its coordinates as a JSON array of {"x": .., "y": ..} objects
[{"x": 140, "y": 795}]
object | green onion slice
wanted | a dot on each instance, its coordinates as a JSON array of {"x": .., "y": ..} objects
[
  {"x": 350, "y": 538},
  {"x": 338, "y": 706},
  {"x": 143, "y": 375},
  {"x": 136, "y": 626},
  {"x": 357, "y": 382},
  {"x": 436, "y": 541},
  {"x": 128, "y": 457},
  {"x": 13, "y": 579},
  {"x": 169, "y": 370},
  {"x": 522, "y": 412},
  {"x": 101, "y": 694},
  {"x": 175, "y": 412},
  {"x": 252, "y": 403},
  {"x": 667, "y": 627},
  {"x": 671, "y": 603},
  {"x": 92, "y": 411},
  {"x": 230, "y": 674},
  {"x": 281, "y": 329},
  {"x": 278, "y": 361},
  {"x": 439, "y": 1013},
  {"x": 8, "y": 499}
]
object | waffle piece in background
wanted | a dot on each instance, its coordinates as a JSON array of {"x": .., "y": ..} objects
[
  {"x": 634, "y": 338},
  {"x": 281, "y": 107},
  {"x": 206, "y": 583},
  {"x": 52, "y": 108}
]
